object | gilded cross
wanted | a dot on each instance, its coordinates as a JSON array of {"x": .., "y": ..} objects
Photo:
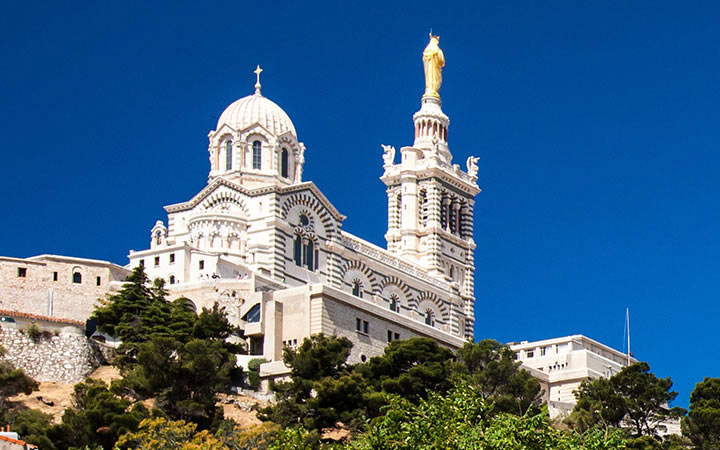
[{"x": 257, "y": 83}]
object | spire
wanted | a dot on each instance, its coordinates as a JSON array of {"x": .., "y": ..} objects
[{"x": 257, "y": 83}]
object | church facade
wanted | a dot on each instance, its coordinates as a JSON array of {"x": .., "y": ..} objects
[{"x": 269, "y": 247}]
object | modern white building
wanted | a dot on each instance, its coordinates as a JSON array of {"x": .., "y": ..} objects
[
  {"x": 561, "y": 364},
  {"x": 270, "y": 248}
]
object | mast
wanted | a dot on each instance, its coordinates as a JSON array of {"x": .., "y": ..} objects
[{"x": 627, "y": 320}]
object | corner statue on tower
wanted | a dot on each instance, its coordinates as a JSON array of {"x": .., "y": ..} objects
[{"x": 433, "y": 62}]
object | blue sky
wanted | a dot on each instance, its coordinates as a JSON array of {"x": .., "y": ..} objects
[{"x": 596, "y": 125}]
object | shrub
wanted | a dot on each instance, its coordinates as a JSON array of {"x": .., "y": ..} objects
[{"x": 254, "y": 372}]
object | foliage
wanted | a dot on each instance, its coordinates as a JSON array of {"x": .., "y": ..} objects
[
  {"x": 13, "y": 381},
  {"x": 702, "y": 424},
  {"x": 161, "y": 434},
  {"x": 410, "y": 368},
  {"x": 168, "y": 352},
  {"x": 32, "y": 425},
  {"x": 491, "y": 367},
  {"x": 462, "y": 419},
  {"x": 97, "y": 418},
  {"x": 633, "y": 399},
  {"x": 254, "y": 372},
  {"x": 256, "y": 437}
]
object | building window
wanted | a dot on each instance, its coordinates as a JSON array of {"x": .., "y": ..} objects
[
  {"x": 304, "y": 220},
  {"x": 304, "y": 252},
  {"x": 429, "y": 317},
  {"x": 394, "y": 305},
  {"x": 529, "y": 353},
  {"x": 55, "y": 276},
  {"x": 392, "y": 336},
  {"x": 172, "y": 258},
  {"x": 77, "y": 277},
  {"x": 228, "y": 155},
  {"x": 98, "y": 281},
  {"x": 257, "y": 155},
  {"x": 172, "y": 279},
  {"x": 142, "y": 263},
  {"x": 357, "y": 288},
  {"x": 253, "y": 316},
  {"x": 22, "y": 272},
  {"x": 157, "y": 261},
  {"x": 201, "y": 264},
  {"x": 542, "y": 351},
  {"x": 362, "y": 326},
  {"x": 284, "y": 163}
]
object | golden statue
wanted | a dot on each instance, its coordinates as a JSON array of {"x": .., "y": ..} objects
[{"x": 433, "y": 62}]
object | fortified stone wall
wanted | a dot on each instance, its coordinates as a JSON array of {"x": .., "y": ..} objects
[{"x": 68, "y": 357}]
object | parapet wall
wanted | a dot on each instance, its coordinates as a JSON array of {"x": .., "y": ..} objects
[{"x": 68, "y": 357}]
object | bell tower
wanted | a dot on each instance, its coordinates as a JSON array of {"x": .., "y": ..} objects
[{"x": 430, "y": 199}]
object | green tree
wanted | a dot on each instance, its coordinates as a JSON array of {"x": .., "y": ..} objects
[
  {"x": 462, "y": 419},
  {"x": 97, "y": 417},
  {"x": 161, "y": 434},
  {"x": 168, "y": 352},
  {"x": 492, "y": 368},
  {"x": 702, "y": 425},
  {"x": 633, "y": 399},
  {"x": 33, "y": 425},
  {"x": 410, "y": 368}
]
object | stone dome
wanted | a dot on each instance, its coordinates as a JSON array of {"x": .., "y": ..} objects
[{"x": 256, "y": 109}]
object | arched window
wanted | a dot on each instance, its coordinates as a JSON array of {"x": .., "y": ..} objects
[
  {"x": 429, "y": 317},
  {"x": 77, "y": 277},
  {"x": 357, "y": 288},
  {"x": 304, "y": 252},
  {"x": 172, "y": 279},
  {"x": 228, "y": 155},
  {"x": 394, "y": 303},
  {"x": 304, "y": 220},
  {"x": 257, "y": 154},
  {"x": 158, "y": 237},
  {"x": 284, "y": 163}
]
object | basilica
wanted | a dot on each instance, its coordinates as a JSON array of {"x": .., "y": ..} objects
[{"x": 269, "y": 246}]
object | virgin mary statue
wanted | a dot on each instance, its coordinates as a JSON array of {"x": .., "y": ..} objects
[{"x": 433, "y": 62}]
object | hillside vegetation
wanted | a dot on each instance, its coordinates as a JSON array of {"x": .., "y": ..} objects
[{"x": 175, "y": 368}]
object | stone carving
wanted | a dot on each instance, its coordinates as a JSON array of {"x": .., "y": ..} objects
[
  {"x": 388, "y": 154},
  {"x": 472, "y": 167},
  {"x": 299, "y": 161}
]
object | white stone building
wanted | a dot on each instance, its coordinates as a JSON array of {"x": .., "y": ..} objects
[
  {"x": 270, "y": 247},
  {"x": 561, "y": 364}
]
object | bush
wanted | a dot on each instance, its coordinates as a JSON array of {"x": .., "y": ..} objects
[
  {"x": 254, "y": 372},
  {"x": 33, "y": 332}
]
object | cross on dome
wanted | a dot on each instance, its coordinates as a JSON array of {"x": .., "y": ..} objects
[{"x": 257, "y": 83}]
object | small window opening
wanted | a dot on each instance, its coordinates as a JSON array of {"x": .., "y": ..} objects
[
  {"x": 429, "y": 317},
  {"x": 55, "y": 276},
  {"x": 357, "y": 288},
  {"x": 98, "y": 281},
  {"x": 394, "y": 306},
  {"x": 77, "y": 277},
  {"x": 172, "y": 279},
  {"x": 284, "y": 163},
  {"x": 228, "y": 155},
  {"x": 157, "y": 261},
  {"x": 172, "y": 258},
  {"x": 22, "y": 272},
  {"x": 201, "y": 264}
]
